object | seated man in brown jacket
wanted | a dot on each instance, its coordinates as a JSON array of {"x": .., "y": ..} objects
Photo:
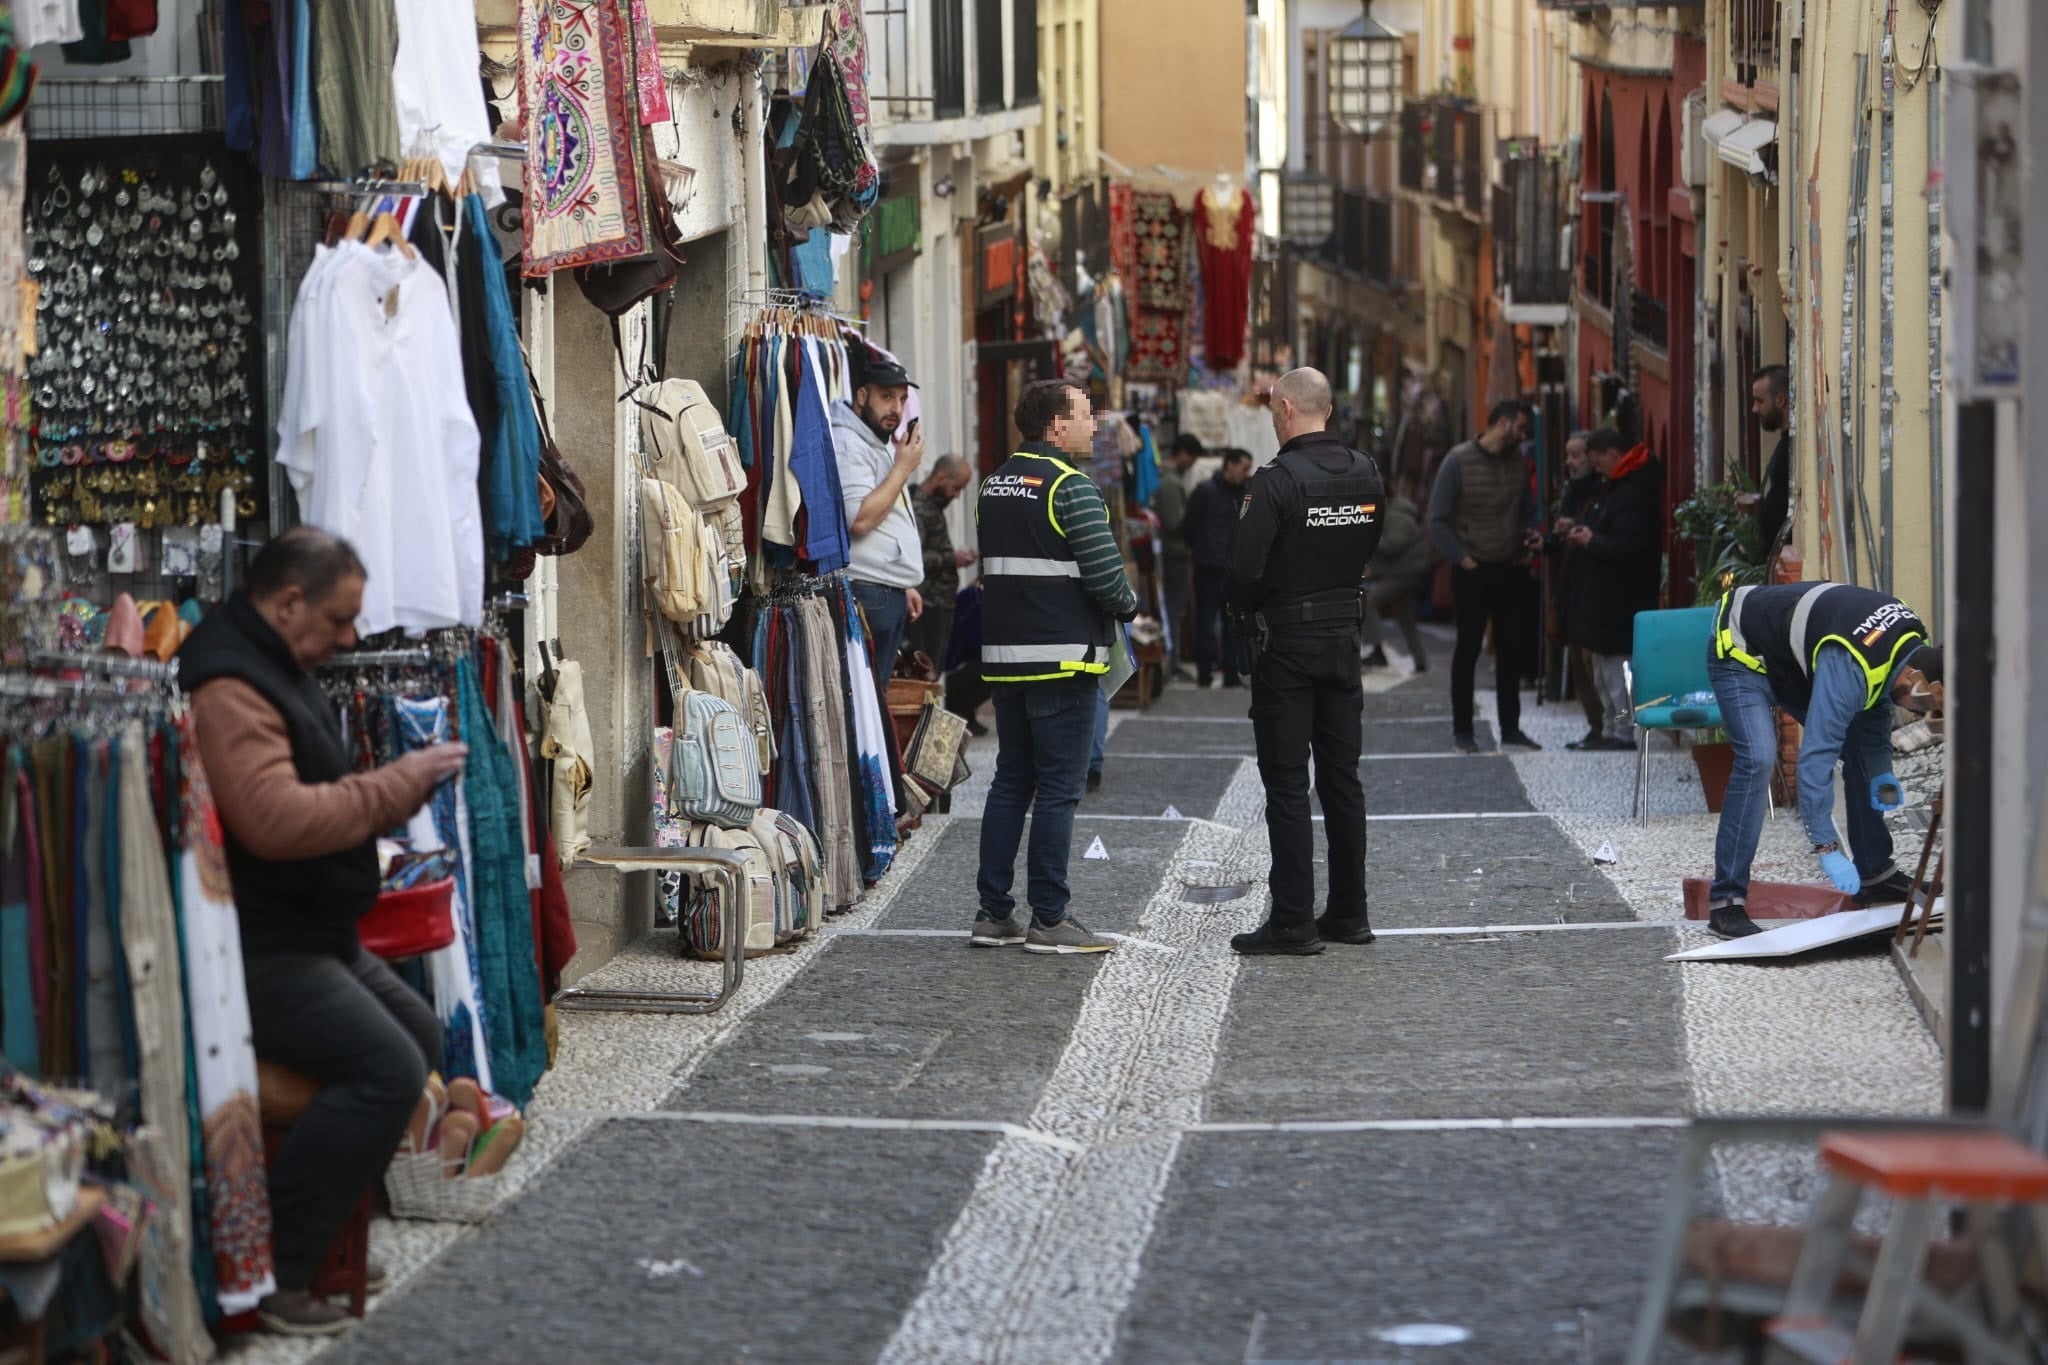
[{"x": 301, "y": 830}]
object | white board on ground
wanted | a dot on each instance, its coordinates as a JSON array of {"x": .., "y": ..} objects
[{"x": 1801, "y": 936}]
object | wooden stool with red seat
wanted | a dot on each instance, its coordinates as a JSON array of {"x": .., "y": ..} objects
[
  {"x": 1986, "y": 1171},
  {"x": 281, "y": 1097}
]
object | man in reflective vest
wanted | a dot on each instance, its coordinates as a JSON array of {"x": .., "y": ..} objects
[
  {"x": 1838, "y": 658},
  {"x": 1053, "y": 591},
  {"x": 1309, "y": 523}
]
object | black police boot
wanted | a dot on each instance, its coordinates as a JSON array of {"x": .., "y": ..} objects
[
  {"x": 1265, "y": 942},
  {"x": 1731, "y": 921},
  {"x": 1343, "y": 930},
  {"x": 1376, "y": 659}
]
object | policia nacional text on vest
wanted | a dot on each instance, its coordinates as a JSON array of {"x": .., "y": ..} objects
[
  {"x": 1037, "y": 620},
  {"x": 1320, "y": 546},
  {"x": 1778, "y": 631}
]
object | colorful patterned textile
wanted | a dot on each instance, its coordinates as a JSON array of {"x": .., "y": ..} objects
[
  {"x": 1159, "y": 343},
  {"x": 654, "y": 106},
  {"x": 1123, "y": 235},
  {"x": 1160, "y": 229},
  {"x": 223, "y": 1052},
  {"x": 849, "y": 46},
  {"x": 585, "y": 184}
]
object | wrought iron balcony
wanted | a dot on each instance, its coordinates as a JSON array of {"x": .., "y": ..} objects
[
  {"x": 1443, "y": 151},
  {"x": 1649, "y": 319},
  {"x": 1529, "y": 208}
]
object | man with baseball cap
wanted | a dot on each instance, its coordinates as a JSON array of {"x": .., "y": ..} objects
[{"x": 874, "y": 475}]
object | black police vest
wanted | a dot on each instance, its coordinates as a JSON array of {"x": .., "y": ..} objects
[
  {"x": 1778, "y": 631},
  {"x": 298, "y": 904},
  {"x": 1323, "y": 549},
  {"x": 1037, "y": 621}
]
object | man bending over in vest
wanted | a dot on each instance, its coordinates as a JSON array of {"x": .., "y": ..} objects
[
  {"x": 1838, "y": 658},
  {"x": 1054, "y": 589},
  {"x": 301, "y": 831}
]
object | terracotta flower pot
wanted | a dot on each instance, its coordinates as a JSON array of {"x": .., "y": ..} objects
[{"x": 1715, "y": 762}]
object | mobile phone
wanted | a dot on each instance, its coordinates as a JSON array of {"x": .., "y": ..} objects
[{"x": 912, "y": 431}]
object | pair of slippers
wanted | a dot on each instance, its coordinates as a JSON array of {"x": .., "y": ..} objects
[{"x": 474, "y": 1133}]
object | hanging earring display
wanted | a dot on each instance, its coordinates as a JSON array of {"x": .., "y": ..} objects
[{"x": 147, "y": 340}]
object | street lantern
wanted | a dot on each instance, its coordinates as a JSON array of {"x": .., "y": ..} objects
[
  {"x": 1308, "y": 210},
  {"x": 1365, "y": 75}
]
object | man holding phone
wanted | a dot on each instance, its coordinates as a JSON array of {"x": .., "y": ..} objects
[{"x": 887, "y": 562}]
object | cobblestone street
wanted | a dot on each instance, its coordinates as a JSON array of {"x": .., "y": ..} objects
[{"x": 892, "y": 1148}]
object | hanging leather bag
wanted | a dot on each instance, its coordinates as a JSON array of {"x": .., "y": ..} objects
[
  {"x": 615, "y": 288},
  {"x": 565, "y": 509}
]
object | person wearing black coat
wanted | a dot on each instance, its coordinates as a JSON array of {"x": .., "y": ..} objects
[
  {"x": 1612, "y": 572},
  {"x": 1582, "y": 482},
  {"x": 1210, "y": 522}
]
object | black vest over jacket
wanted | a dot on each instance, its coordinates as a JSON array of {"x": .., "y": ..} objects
[
  {"x": 1037, "y": 620},
  {"x": 1324, "y": 546},
  {"x": 1779, "y": 630},
  {"x": 299, "y": 905}
]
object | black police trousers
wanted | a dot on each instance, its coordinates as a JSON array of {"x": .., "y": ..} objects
[{"x": 1306, "y": 700}]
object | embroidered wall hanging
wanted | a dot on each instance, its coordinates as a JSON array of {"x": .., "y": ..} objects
[
  {"x": 1161, "y": 231},
  {"x": 1158, "y": 347},
  {"x": 585, "y": 183}
]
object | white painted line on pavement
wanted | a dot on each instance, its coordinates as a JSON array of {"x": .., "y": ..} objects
[
  {"x": 1415, "y": 931},
  {"x": 1363, "y": 758},
  {"x": 881, "y": 1125},
  {"x": 1439, "y": 1125},
  {"x": 1242, "y": 720},
  {"x": 1046, "y": 1252},
  {"x": 1426, "y": 931}
]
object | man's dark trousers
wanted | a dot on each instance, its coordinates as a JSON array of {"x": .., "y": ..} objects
[
  {"x": 1209, "y": 633},
  {"x": 1505, "y": 595},
  {"x": 352, "y": 1025},
  {"x": 1306, "y": 699},
  {"x": 1044, "y": 731}
]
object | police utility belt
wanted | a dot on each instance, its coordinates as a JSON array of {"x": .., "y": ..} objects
[{"x": 1340, "y": 604}]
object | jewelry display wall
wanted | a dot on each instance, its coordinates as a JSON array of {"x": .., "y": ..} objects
[{"x": 147, "y": 385}]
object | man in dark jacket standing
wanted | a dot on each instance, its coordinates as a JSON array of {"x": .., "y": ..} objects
[
  {"x": 1482, "y": 517},
  {"x": 1171, "y": 503},
  {"x": 1616, "y": 553},
  {"x": 1582, "y": 481},
  {"x": 1211, "y": 518},
  {"x": 301, "y": 830},
  {"x": 1311, "y": 522}
]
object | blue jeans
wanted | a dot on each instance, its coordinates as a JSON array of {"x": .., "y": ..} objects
[
  {"x": 1043, "y": 731},
  {"x": 1101, "y": 732},
  {"x": 1746, "y": 712},
  {"x": 888, "y": 613}
]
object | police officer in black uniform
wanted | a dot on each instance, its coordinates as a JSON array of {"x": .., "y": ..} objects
[{"x": 1308, "y": 524}]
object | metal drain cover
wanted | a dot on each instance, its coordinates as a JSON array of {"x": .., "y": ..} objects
[{"x": 1212, "y": 895}]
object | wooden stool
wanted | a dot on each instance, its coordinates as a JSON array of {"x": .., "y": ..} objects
[
  {"x": 1986, "y": 1171},
  {"x": 281, "y": 1097}
]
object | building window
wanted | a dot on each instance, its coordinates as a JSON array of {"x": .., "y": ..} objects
[
  {"x": 988, "y": 56},
  {"x": 949, "y": 60},
  {"x": 1024, "y": 53}
]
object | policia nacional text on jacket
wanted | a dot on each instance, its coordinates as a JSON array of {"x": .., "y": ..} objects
[{"x": 1309, "y": 523}]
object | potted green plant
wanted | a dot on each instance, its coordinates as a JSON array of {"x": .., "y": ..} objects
[{"x": 1728, "y": 554}]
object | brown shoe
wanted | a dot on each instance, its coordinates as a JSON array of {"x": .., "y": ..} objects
[{"x": 296, "y": 1313}]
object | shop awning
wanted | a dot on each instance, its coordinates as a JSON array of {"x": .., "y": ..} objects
[{"x": 1740, "y": 140}]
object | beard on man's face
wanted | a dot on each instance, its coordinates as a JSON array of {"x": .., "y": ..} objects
[
  {"x": 882, "y": 424},
  {"x": 1771, "y": 419}
]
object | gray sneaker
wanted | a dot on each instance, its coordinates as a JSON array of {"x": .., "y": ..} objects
[
  {"x": 999, "y": 933},
  {"x": 1068, "y": 936}
]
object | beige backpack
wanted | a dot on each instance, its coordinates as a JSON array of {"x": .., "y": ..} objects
[
  {"x": 688, "y": 445},
  {"x": 676, "y": 564}
]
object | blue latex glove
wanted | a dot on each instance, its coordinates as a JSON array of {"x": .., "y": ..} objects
[
  {"x": 1841, "y": 872},
  {"x": 1886, "y": 793}
]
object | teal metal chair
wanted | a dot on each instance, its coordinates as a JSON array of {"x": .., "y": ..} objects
[{"x": 1670, "y": 662}]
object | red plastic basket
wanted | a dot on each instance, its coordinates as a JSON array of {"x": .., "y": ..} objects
[{"x": 407, "y": 923}]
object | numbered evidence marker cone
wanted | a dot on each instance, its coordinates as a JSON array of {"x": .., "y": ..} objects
[
  {"x": 1096, "y": 850},
  {"x": 1606, "y": 855},
  {"x": 1171, "y": 813}
]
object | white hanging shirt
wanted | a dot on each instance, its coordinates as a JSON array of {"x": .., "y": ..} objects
[
  {"x": 46, "y": 21},
  {"x": 437, "y": 85},
  {"x": 377, "y": 437}
]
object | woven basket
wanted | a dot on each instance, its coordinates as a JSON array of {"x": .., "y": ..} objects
[{"x": 419, "y": 1190}]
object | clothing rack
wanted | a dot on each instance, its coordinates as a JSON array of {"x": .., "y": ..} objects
[
  {"x": 41, "y": 687},
  {"x": 110, "y": 665},
  {"x": 799, "y": 587},
  {"x": 362, "y": 185},
  {"x": 419, "y": 656}
]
